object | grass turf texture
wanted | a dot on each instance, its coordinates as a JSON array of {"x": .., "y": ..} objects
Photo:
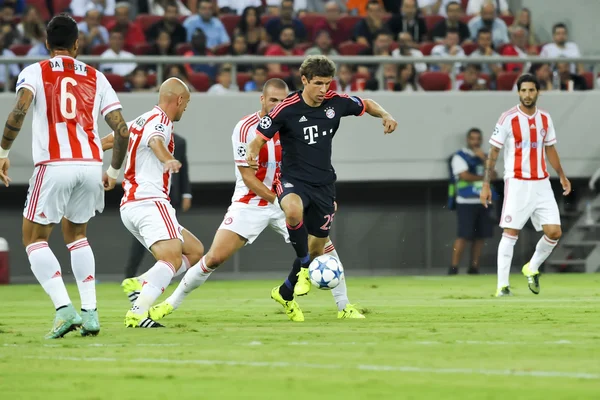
[{"x": 424, "y": 338}]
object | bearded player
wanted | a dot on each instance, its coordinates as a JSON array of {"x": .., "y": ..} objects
[
  {"x": 254, "y": 207},
  {"x": 527, "y": 135}
]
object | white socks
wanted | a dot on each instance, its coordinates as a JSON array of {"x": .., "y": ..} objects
[
  {"x": 505, "y": 254},
  {"x": 155, "y": 282},
  {"x": 46, "y": 269},
  {"x": 340, "y": 293},
  {"x": 84, "y": 270},
  {"x": 195, "y": 277},
  {"x": 542, "y": 250}
]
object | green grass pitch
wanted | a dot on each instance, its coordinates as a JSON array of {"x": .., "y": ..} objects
[{"x": 424, "y": 338}]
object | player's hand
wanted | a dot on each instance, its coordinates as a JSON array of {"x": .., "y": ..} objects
[
  {"x": 389, "y": 124},
  {"x": 252, "y": 160},
  {"x": 186, "y": 204},
  {"x": 486, "y": 195},
  {"x": 4, "y": 166},
  {"x": 172, "y": 166},
  {"x": 108, "y": 182},
  {"x": 566, "y": 185}
]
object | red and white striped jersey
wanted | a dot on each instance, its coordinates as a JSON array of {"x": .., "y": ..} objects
[
  {"x": 269, "y": 160},
  {"x": 68, "y": 97},
  {"x": 144, "y": 176},
  {"x": 524, "y": 139}
]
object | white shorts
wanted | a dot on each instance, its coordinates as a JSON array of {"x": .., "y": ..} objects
[
  {"x": 528, "y": 199},
  {"x": 249, "y": 221},
  {"x": 72, "y": 191},
  {"x": 151, "y": 221}
]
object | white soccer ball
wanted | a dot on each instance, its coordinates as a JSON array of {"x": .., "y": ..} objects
[{"x": 325, "y": 272}]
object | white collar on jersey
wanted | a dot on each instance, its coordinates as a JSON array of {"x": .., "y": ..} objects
[
  {"x": 528, "y": 116},
  {"x": 162, "y": 111}
]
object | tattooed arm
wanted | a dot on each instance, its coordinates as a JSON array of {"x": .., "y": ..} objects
[
  {"x": 12, "y": 127},
  {"x": 490, "y": 166},
  {"x": 115, "y": 120}
]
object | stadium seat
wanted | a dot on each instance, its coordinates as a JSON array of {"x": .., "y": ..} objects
[
  {"x": 435, "y": 81},
  {"x": 183, "y": 48},
  {"x": 221, "y": 50},
  {"x": 265, "y": 18},
  {"x": 151, "y": 80},
  {"x": 469, "y": 47},
  {"x": 145, "y": 21},
  {"x": 310, "y": 21},
  {"x": 464, "y": 4},
  {"x": 432, "y": 20},
  {"x": 350, "y": 48},
  {"x": 333, "y": 86},
  {"x": 426, "y": 48},
  {"x": 40, "y": 5},
  {"x": 117, "y": 82},
  {"x": 461, "y": 77},
  {"x": 142, "y": 49},
  {"x": 20, "y": 49},
  {"x": 588, "y": 76},
  {"x": 107, "y": 20},
  {"x": 506, "y": 80},
  {"x": 230, "y": 21},
  {"x": 242, "y": 78},
  {"x": 304, "y": 46},
  {"x": 59, "y": 5},
  {"x": 280, "y": 75},
  {"x": 200, "y": 81},
  {"x": 98, "y": 49},
  {"x": 466, "y": 18},
  {"x": 347, "y": 23},
  {"x": 508, "y": 19},
  {"x": 182, "y": 19}
]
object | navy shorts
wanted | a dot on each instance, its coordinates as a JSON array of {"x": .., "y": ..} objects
[
  {"x": 318, "y": 204},
  {"x": 474, "y": 221}
]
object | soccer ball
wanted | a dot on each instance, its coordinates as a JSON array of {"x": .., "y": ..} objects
[{"x": 325, "y": 272}]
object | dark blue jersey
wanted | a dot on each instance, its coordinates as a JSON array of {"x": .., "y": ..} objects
[{"x": 306, "y": 134}]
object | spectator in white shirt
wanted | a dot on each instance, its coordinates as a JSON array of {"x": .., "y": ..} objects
[
  {"x": 450, "y": 47},
  {"x": 484, "y": 49},
  {"x": 158, "y": 7},
  {"x": 116, "y": 43},
  {"x": 94, "y": 32},
  {"x": 80, "y": 7},
  {"x": 224, "y": 81},
  {"x": 474, "y": 7},
  {"x": 562, "y": 48},
  {"x": 406, "y": 49}
]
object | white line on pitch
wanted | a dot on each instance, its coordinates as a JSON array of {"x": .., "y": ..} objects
[
  {"x": 494, "y": 342},
  {"x": 360, "y": 367}
]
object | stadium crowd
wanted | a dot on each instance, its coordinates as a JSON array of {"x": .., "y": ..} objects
[{"x": 394, "y": 28}]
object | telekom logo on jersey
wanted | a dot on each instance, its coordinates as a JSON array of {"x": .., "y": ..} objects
[{"x": 311, "y": 133}]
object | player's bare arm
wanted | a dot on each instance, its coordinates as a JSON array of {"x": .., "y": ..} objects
[
  {"x": 160, "y": 151},
  {"x": 254, "y": 184},
  {"x": 108, "y": 141},
  {"x": 115, "y": 121},
  {"x": 12, "y": 127},
  {"x": 375, "y": 110},
  {"x": 490, "y": 167},
  {"x": 554, "y": 160},
  {"x": 253, "y": 150}
]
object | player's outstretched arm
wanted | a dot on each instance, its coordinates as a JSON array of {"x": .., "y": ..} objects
[
  {"x": 254, "y": 184},
  {"x": 253, "y": 150},
  {"x": 108, "y": 141},
  {"x": 12, "y": 127},
  {"x": 375, "y": 110},
  {"x": 490, "y": 167},
  {"x": 554, "y": 160},
  {"x": 160, "y": 151},
  {"x": 115, "y": 121}
]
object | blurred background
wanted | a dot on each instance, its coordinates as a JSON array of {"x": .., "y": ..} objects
[{"x": 446, "y": 70}]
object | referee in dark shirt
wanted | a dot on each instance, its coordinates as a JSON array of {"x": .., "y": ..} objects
[{"x": 181, "y": 199}]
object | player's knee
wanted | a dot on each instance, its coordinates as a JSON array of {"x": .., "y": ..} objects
[
  {"x": 214, "y": 259},
  {"x": 175, "y": 259},
  {"x": 293, "y": 214},
  {"x": 553, "y": 233},
  {"x": 316, "y": 252}
]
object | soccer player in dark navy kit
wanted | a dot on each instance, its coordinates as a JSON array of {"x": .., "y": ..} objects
[{"x": 306, "y": 121}]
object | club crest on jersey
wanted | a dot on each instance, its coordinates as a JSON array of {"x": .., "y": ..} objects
[
  {"x": 266, "y": 122},
  {"x": 330, "y": 112},
  {"x": 241, "y": 151},
  {"x": 543, "y": 132}
]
